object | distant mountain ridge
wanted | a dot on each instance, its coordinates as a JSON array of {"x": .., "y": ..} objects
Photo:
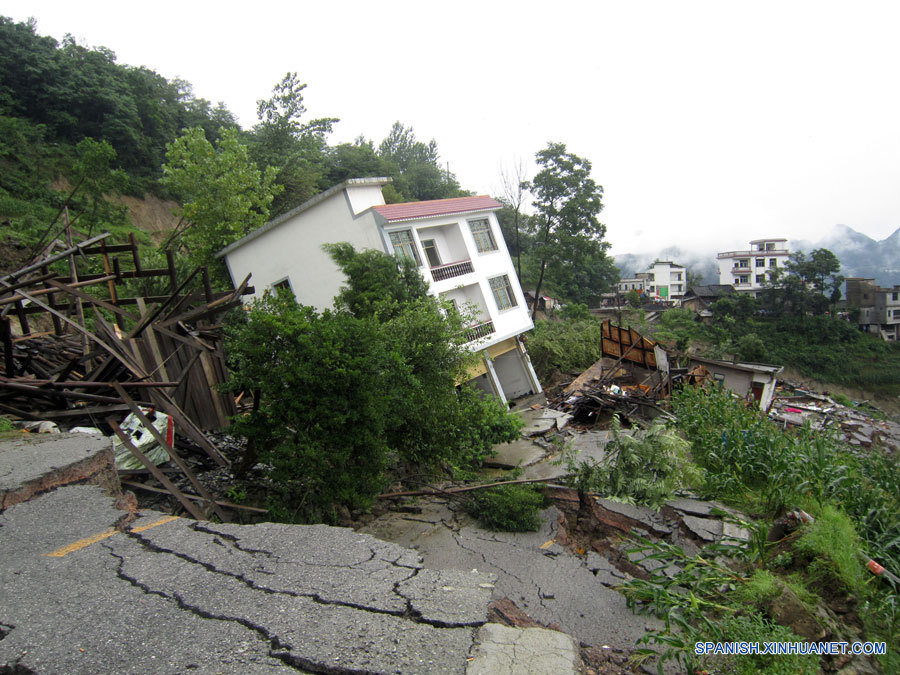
[{"x": 860, "y": 256}]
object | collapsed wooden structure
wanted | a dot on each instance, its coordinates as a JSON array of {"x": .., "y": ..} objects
[
  {"x": 80, "y": 357},
  {"x": 629, "y": 378}
]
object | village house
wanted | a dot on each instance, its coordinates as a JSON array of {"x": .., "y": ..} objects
[
  {"x": 636, "y": 283},
  {"x": 879, "y": 308},
  {"x": 751, "y": 381},
  {"x": 699, "y": 298},
  {"x": 665, "y": 280},
  {"x": 748, "y": 271},
  {"x": 456, "y": 244}
]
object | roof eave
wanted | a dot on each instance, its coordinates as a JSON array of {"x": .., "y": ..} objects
[{"x": 322, "y": 196}]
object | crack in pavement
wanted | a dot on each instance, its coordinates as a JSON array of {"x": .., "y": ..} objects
[
  {"x": 409, "y": 613},
  {"x": 272, "y": 640}
]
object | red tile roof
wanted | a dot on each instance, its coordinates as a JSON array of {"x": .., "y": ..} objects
[{"x": 436, "y": 207}]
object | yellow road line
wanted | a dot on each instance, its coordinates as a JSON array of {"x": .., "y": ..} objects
[
  {"x": 93, "y": 539},
  {"x": 161, "y": 521},
  {"x": 81, "y": 543}
]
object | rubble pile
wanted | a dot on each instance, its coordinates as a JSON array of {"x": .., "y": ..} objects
[
  {"x": 629, "y": 379},
  {"x": 794, "y": 407}
]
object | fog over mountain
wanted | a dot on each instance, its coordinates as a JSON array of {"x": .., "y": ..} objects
[{"x": 860, "y": 256}]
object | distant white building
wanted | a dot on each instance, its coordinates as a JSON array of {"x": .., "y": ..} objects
[
  {"x": 665, "y": 280},
  {"x": 748, "y": 271},
  {"x": 456, "y": 244},
  {"x": 635, "y": 283}
]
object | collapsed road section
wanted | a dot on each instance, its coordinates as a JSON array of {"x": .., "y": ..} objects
[{"x": 167, "y": 594}]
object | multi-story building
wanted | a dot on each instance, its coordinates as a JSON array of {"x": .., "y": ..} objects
[
  {"x": 665, "y": 280},
  {"x": 456, "y": 244},
  {"x": 635, "y": 283},
  {"x": 748, "y": 271},
  {"x": 879, "y": 308}
]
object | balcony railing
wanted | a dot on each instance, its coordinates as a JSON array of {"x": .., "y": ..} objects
[
  {"x": 751, "y": 254},
  {"x": 450, "y": 270},
  {"x": 479, "y": 330}
]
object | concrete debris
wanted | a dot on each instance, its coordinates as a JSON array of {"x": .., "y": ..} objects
[
  {"x": 522, "y": 452},
  {"x": 707, "y": 529},
  {"x": 31, "y": 465},
  {"x": 541, "y": 421},
  {"x": 795, "y": 407}
]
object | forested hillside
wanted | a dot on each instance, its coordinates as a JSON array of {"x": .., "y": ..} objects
[{"x": 77, "y": 128}]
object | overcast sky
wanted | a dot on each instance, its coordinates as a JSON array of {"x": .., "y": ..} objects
[{"x": 707, "y": 123}]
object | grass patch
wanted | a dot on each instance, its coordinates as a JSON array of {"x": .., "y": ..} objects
[
  {"x": 830, "y": 545},
  {"x": 507, "y": 508}
]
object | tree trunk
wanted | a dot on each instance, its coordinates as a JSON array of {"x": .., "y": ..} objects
[
  {"x": 518, "y": 247},
  {"x": 537, "y": 290}
]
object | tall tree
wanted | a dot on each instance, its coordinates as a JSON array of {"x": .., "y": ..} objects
[
  {"x": 566, "y": 201},
  {"x": 293, "y": 146},
  {"x": 224, "y": 194},
  {"x": 514, "y": 186},
  {"x": 805, "y": 285},
  {"x": 415, "y": 166}
]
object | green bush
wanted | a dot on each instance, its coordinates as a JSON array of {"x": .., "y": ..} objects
[
  {"x": 507, "y": 508},
  {"x": 344, "y": 399},
  {"x": 639, "y": 470},
  {"x": 566, "y": 346}
]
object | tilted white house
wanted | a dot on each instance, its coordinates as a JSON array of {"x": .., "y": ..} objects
[{"x": 456, "y": 243}]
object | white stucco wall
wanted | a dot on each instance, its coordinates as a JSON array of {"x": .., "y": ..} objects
[
  {"x": 293, "y": 250},
  {"x": 485, "y": 266}
]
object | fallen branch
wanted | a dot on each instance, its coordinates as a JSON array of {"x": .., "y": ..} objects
[
  {"x": 466, "y": 488},
  {"x": 141, "y": 486}
]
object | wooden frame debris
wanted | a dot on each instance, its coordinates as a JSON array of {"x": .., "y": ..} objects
[{"x": 82, "y": 353}]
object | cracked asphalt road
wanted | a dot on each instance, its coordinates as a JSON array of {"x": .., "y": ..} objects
[
  {"x": 548, "y": 584},
  {"x": 174, "y": 596}
]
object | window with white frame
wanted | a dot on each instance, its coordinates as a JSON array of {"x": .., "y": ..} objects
[
  {"x": 773, "y": 262},
  {"x": 405, "y": 247},
  {"x": 760, "y": 262},
  {"x": 481, "y": 233},
  {"x": 503, "y": 292}
]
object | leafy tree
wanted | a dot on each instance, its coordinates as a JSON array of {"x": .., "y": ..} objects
[
  {"x": 354, "y": 160},
  {"x": 633, "y": 298},
  {"x": 225, "y": 195},
  {"x": 575, "y": 311},
  {"x": 567, "y": 202},
  {"x": 323, "y": 404},
  {"x": 693, "y": 278},
  {"x": 377, "y": 284},
  {"x": 415, "y": 166},
  {"x": 805, "y": 285}
]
